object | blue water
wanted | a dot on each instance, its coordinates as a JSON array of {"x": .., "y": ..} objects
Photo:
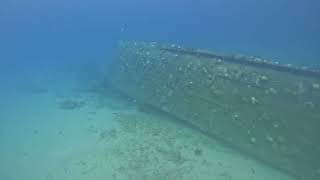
[
  {"x": 287, "y": 30},
  {"x": 44, "y": 42}
]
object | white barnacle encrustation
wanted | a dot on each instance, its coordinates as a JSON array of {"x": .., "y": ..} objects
[
  {"x": 235, "y": 116},
  {"x": 316, "y": 86},
  {"x": 264, "y": 78},
  {"x": 275, "y": 125},
  {"x": 153, "y": 44},
  {"x": 269, "y": 138},
  {"x": 272, "y": 90},
  {"x": 254, "y": 100},
  {"x": 261, "y": 80},
  {"x": 253, "y": 140}
]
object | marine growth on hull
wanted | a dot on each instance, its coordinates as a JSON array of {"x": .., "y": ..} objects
[{"x": 265, "y": 109}]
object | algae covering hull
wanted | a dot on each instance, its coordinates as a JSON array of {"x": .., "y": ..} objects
[{"x": 264, "y": 109}]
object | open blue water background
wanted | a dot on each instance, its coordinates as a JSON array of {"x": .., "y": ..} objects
[{"x": 40, "y": 32}]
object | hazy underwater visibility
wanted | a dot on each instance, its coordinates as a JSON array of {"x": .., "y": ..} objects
[{"x": 160, "y": 90}]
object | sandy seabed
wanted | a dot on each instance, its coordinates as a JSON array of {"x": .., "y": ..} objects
[{"x": 105, "y": 138}]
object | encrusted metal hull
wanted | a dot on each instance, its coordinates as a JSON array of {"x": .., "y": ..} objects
[{"x": 266, "y": 110}]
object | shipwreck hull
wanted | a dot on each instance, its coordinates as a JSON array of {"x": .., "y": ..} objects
[{"x": 266, "y": 110}]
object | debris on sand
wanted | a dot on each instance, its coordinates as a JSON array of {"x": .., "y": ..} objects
[{"x": 70, "y": 104}]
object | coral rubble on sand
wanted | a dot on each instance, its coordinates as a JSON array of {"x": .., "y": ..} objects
[{"x": 70, "y": 104}]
